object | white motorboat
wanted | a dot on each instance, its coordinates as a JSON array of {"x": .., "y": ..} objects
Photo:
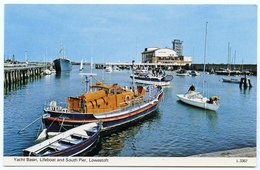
[
  {"x": 197, "y": 99},
  {"x": 157, "y": 77},
  {"x": 161, "y": 80},
  {"x": 194, "y": 73},
  {"x": 109, "y": 69},
  {"x": 182, "y": 72},
  {"x": 46, "y": 72}
]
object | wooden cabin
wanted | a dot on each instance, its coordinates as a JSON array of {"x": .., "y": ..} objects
[{"x": 104, "y": 98}]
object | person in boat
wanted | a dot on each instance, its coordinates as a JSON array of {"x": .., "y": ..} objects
[
  {"x": 192, "y": 89},
  {"x": 213, "y": 99},
  {"x": 132, "y": 89},
  {"x": 160, "y": 71},
  {"x": 125, "y": 88},
  {"x": 153, "y": 72}
]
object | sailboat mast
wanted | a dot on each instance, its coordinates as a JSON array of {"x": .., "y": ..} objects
[
  {"x": 205, "y": 47},
  {"x": 205, "y": 55},
  {"x": 235, "y": 60},
  {"x": 229, "y": 54}
]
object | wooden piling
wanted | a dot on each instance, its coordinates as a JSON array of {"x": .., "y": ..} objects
[
  {"x": 17, "y": 75},
  {"x": 245, "y": 81}
]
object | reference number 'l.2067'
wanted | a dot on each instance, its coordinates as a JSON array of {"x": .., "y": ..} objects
[{"x": 241, "y": 160}]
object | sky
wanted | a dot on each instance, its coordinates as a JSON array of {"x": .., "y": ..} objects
[{"x": 120, "y": 32}]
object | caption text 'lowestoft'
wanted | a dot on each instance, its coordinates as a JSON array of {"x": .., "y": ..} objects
[{"x": 61, "y": 160}]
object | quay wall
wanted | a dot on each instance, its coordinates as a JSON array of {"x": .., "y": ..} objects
[
  {"x": 21, "y": 74},
  {"x": 198, "y": 67},
  {"x": 209, "y": 67}
]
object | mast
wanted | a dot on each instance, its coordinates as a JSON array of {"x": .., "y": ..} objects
[
  {"x": 235, "y": 60},
  {"x": 45, "y": 58},
  {"x": 87, "y": 80},
  {"x": 136, "y": 49},
  {"x": 91, "y": 70},
  {"x": 62, "y": 51},
  {"x": 205, "y": 55},
  {"x": 229, "y": 54}
]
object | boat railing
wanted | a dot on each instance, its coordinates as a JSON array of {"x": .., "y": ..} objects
[
  {"x": 133, "y": 104},
  {"x": 56, "y": 106}
]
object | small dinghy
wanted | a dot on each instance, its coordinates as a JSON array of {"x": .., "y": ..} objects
[
  {"x": 198, "y": 100},
  {"x": 231, "y": 80},
  {"x": 69, "y": 143}
]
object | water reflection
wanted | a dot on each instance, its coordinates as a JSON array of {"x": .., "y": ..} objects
[
  {"x": 19, "y": 84},
  {"x": 94, "y": 149},
  {"x": 196, "y": 114},
  {"x": 112, "y": 144},
  {"x": 62, "y": 74},
  {"x": 245, "y": 90},
  {"x": 212, "y": 117}
]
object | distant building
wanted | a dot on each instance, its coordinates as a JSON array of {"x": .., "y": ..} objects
[
  {"x": 166, "y": 55},
  {"x": 158, "y": 55},
  {"x": 177, "y": 46}
]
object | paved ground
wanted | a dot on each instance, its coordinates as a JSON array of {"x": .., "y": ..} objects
[{"x": 243, "y": 152}]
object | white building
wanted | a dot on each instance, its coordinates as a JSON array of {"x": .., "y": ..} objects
[{"x": 164, "y": 55}]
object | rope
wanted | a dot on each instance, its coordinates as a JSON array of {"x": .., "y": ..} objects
[
  {"x": 29, "y": 124},
  {"x": 40, "y": 127},
  {"x": 61, "y": 124},
  {"x": 96, "y": 79}
]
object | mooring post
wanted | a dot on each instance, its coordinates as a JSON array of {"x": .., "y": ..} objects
[
  {"x": 241, "y": 82},
  {"x": 245, "y": 82},
  {"x": 249, "y": 82}
]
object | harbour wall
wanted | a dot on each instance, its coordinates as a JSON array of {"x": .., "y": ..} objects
[
  {"x": 198, "y": 67},
  {"x": 209, "y": 67}
]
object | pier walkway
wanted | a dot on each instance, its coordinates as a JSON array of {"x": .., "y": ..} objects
[{"x": 15, "y": 74}]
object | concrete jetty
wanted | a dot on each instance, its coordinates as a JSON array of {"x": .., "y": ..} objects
[{"x": 16, "y": 74}]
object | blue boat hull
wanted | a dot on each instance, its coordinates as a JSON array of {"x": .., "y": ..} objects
[
  {"x": 78, "y": 149},
  {"x": 62, "y": 64},
  {"x": 55, "y": 122}
]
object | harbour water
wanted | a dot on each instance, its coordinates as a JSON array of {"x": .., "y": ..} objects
[{"x": 174, "y": 130}]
